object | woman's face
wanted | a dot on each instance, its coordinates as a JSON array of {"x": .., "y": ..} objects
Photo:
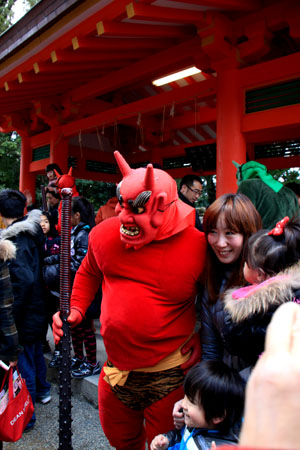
[
  {"x": 226, "y": 243},
  {"x": 45, "y": 224}
]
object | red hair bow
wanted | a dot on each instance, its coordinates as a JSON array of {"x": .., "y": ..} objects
[{"x": 278, "y": 230}]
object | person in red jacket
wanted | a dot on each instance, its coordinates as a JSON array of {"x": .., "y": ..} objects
[
  {"x": 148, "y": 260},
  {"x": 108, "y": 210}
]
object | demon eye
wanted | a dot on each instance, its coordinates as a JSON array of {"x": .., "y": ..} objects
[
  {"x": 118, "y": 193},
  {"x": 138, "y": 204}
]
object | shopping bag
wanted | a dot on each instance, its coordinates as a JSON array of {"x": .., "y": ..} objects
[{"x": 17, "y": 407}]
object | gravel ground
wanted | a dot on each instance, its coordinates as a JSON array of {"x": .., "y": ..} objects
[{"x": 87, "y": 431}]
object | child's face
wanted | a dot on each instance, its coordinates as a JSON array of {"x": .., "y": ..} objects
[
  {"x": 45, "y": 224},
  {"x": 253, "y": 276},
  {"x": 194, "y": 414}
]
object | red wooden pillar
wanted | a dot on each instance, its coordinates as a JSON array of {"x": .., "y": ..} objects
[
  {"x": 59, "y": 148},
  {"x": 27, "y": 179},
  {"x": 231, "y": 143}
]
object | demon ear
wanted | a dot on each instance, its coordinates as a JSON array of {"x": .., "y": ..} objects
[
  {"x": 159, "y": 208},
  {"x": 58, "y": 175},
  {"x": 70, "y": 171}
]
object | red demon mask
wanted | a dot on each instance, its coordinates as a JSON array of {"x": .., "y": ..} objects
[
  {"x": 149, "y": 208},
  {"x": 66, "y": 181}
]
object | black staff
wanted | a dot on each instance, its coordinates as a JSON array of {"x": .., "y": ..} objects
[
  {"x": 44, "y": 200},
  {"x": 65, "y": 419}
]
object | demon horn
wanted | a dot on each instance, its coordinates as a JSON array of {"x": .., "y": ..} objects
[
  {"x": 149, "y": 178},
  {"x": 123, "y": 166}
]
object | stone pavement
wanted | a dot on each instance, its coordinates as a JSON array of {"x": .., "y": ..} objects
[
  {"x": 87, "y": 387},
  {"x": 87, "y": 431}
]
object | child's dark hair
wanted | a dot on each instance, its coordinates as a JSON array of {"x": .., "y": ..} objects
[
  {"x": 52, "y": 221},
  {"x": 219, "y": 390},
  {"x": 12, "y": 203},
  {"x": 53, "y": 167},
  {"x": 86, "y": 210},
  {"x": 272, "y": 254}
]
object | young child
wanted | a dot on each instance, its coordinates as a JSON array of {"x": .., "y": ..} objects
[
  {"x": 51, "y": 277},
  {"x": 273, "y": 269},
  {"x": 212, "y": 406},
  {"x": 83, "y": 335}
]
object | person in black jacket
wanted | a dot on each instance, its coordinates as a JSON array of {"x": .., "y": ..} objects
[
  {"x": 190, "y": 190},
  {"x": 26, "y": 277},
  {"x": 51, "y": 249},
  {"x": 9, "y": 343},
  {"x": 83, "y": 335},
  {"x": 228, "y": 224}
]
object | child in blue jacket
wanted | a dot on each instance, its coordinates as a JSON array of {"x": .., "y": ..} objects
[{"x": 212, "y": 406}]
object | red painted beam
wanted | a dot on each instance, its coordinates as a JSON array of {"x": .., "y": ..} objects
[
  {"x": 94, "y": 57},
  {"x": 202, "y": 90},
  {"x": 139, "y": 70},
  {"x": 117, "y": 44},
  {"x": 271, "y": 71},
  {"x": 240, "y": 5},
  {"x": 142, "y": 31},
  {"x": 179, "y": 15},
  {"x": 271, "y": 119},
  {"x": 79, "y": 21},
  {"x": 280, "y": 163}
]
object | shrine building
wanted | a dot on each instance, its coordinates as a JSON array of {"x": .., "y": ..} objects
[{"x": 81, "y": 78}]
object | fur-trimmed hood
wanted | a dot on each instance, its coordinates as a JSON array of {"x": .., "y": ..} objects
[
  {"x": 7, "y": 250},
  {"x": 30, "y": 224},
  {"x": 258, "y": 299}
]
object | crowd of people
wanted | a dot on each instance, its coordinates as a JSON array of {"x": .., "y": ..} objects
[{"x": 184, "y": 312}]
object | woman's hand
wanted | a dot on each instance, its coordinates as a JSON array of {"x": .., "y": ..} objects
[{"x": 178, "y": 417}]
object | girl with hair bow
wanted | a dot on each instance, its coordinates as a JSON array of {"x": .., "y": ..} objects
[{"x": 272, "y": 268}]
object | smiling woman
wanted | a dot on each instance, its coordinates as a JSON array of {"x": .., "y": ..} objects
[{"x": 228, "y": 223}]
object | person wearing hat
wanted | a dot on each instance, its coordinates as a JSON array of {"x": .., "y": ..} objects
[
  {"x": 271, "y": 198},
  {"x": 26, "y": 276}
]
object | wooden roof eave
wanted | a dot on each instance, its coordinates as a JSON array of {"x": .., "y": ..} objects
[
  {"x": 139, "y": 70},
  {"x": 202, "y": 90}
]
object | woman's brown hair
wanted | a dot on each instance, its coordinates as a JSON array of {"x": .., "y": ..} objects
[{"x": 240, "y": 216}]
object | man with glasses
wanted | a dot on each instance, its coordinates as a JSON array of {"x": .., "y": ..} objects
[{"x": 190, "y": 189}]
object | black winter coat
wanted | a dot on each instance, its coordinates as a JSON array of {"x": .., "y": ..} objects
[
  {"x": 9, "y": 343},
  {"x": 212, "y": 341},
  {"x": 26, "y": 277},
  {"x": 51, "y": 250},
  {"x": 247, "y": 317},
  {"x": 79, "y": 247}
]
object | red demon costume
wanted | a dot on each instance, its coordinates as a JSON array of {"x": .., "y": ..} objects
[
  {"x": 149, "y": 268},
  {"x": 65, "y": 181}
]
